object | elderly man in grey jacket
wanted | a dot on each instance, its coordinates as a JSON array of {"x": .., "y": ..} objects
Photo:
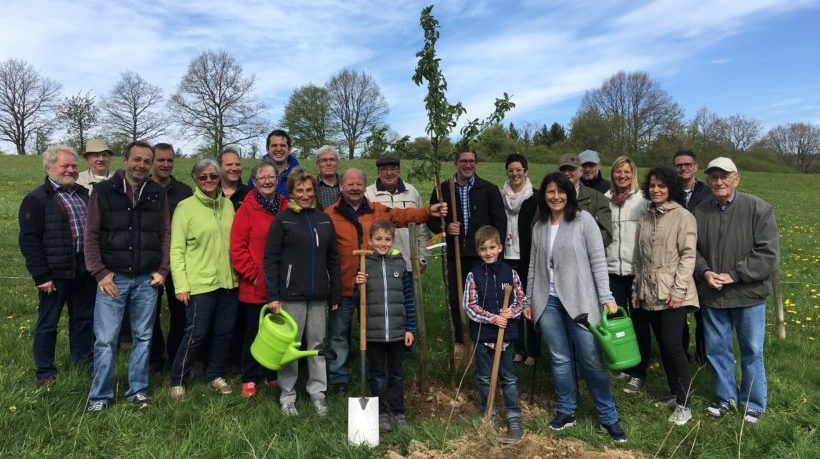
[{"x": 737, "y": 252}]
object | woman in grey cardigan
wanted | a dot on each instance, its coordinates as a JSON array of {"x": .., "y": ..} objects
[{"x": 567, "y": 277}]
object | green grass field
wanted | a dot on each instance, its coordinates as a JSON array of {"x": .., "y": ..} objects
[{"x": 51, "y": 422}]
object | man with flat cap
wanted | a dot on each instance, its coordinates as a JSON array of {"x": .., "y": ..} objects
[
  {"x": 569, "y": 165},
  {"x": 737, "y": 252},
  {"x": 389, "y": 189},
  {"x": 98, "y": 157},
  {"x": 591, "y": 171}
]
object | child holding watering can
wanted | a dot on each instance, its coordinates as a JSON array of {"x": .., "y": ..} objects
[
  {"x": 483, "y": 293},
  {"x": 391, "y": 321}
]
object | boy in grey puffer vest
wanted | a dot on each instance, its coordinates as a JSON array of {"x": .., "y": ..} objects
[{"x": 391, "y": 321}]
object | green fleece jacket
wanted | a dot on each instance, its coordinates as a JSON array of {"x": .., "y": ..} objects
[{"x": 200, "y": 244}]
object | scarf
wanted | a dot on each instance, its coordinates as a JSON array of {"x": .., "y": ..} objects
[
  {"x": 619, "y": 197},
  {"x": 271, "y": 206},
  {"x": 513, "y": 200},
  {"x": 296, "y": 208}
]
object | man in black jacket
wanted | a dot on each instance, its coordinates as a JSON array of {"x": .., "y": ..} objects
[
  {"x": 695, "y": 192},
  {"x": 478, "y": 203},
  {"x": 591, "y": 171},
  {"x": 52, "y": 228},
  {"x": 176, "y": 191}
]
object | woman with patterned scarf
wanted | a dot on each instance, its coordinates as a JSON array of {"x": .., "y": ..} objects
[
  {"x": 302, "y": 273},
  {"x": 517, "y": 188},
  {"x": 248, "y": 235},
  {"x": 628, "y": 206}
]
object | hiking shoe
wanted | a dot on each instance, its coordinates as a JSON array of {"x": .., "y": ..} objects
[
  {"x": 752, "y": 416},
  {"x": 562, "y": 420},
  {"x": 46, "y": 381},
  {"x": 634, "y": 385},
  {"x": 248, "y": 389},
  {"x": 518, "y": 357},
  {"x": 530, "y": 361},
  {"x": 616, "y": 433},
  {"x": 670, "y": 403},
  {"x": 681, "y": 415},
  {"x": 622, "y": 376},
  {"x": 718, "y": 409},
  {"x": 220, "y": 386},
  {"x": 384, "y": 423},
  {"x": 401, "y": 421},
  {"x": 96, "y": 406},
  {"x": 320, "y": 406},
  {"x": 140, "y": 400},
  {"x": 514, "y": 433},
  {"x": 176, "y": 392},
  {"x": 289, "y": 408}
]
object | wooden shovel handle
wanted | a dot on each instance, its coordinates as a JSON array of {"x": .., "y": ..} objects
[{"x": 499, "y": 343}]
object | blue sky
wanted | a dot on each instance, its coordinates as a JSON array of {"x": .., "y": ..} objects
[{"x": 759, "y": 58}]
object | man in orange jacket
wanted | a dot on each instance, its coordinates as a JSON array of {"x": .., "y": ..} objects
[{"x": 352, "y": 215}]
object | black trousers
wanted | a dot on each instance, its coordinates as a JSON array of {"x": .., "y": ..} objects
[
  {"x": 176, "y": 328},
  {"x": 668, "y": 327},
  {"x": 529, "y": 340},
  {"x": 384, "y": 362},
  {"x": 456, "y": 301},
  {"x": 700, "y": 343},
  {"x": 251, "y": 370}
]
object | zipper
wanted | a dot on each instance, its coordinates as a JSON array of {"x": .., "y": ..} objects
[
  {"x": 313, "y": 245},
  {"x": 287, "y": 279},
  {"x": 620, "y": 241},
  {"x": 386, "y": 316}
]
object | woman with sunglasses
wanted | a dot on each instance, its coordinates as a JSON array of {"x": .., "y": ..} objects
[{"x": 204, "y": 279}]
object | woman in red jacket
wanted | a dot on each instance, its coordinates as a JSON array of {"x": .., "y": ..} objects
[{"x": 248, "y": 234}]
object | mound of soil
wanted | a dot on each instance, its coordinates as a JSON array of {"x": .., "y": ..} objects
[{"x": 532, "y": 446}]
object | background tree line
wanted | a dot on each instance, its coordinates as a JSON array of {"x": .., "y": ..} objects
[{"x": 216, "y": 103}]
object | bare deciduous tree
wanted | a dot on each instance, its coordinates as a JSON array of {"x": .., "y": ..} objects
[
  {"x": 799, "y": 139},
  {"x": 636, "y": 108},
  {"x": 132, "y": 109},
  {"x": 27, "y": 102},
  {"x": 357, "y": 104},
  {"x": 215, "y": 100},
  {"x": 78, "y": 115},
  {"x": 741, "y": 132}
]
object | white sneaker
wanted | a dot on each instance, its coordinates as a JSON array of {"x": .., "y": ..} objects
[
  {"x": 320, "y": 406},
  {"x": 289, "y": 408},
  {"x": 681, "y": 415}
]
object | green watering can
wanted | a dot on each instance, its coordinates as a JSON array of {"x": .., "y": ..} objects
[
  {"x": 616, "y": 336},
  {"x": 275, "y": 344}
]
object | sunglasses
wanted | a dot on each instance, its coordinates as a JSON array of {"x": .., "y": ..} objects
[{"x": 206, "y": 177}]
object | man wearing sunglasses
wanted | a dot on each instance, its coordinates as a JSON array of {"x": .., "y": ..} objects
[{"x": 127, "y": 241}]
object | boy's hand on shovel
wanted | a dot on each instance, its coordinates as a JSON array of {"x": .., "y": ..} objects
[
  {"x": 361, "y": 278},
  {"x": 499, "y": 321}
]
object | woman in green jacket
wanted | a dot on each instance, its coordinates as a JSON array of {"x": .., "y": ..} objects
[{"x": 204, "y": 279}]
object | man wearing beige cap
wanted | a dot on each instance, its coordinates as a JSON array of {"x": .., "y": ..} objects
[
  {"x": 737, "y": 252},
  {"x": 590, "y": 200},
  {"x": 98, "y": 157}
]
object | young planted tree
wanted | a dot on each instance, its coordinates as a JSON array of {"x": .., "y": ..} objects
[{"x": 442, "y": 118}]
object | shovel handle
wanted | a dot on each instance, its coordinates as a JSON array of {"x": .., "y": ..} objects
[
  {"x": 499, "y": 343},
  {"x": 362, "y": 304}
]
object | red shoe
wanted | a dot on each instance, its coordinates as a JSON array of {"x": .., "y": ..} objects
[
  {"x": 248, "y": 389},
  {"x": 272, "y": 383}
]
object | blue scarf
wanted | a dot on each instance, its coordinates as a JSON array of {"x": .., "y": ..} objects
[{"x": 271, "y": 206}]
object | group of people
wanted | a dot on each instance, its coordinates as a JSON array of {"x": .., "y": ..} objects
[{"x": 106, "y": 243}]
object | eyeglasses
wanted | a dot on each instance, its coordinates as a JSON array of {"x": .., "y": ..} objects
[
  {"x": 267, "y": 178},
  {"x": 684, "y": 165},
  {"x": 466, "y": 161},
  {"x": 389, "y": 168},
  {"x": 206, "y": 177},
  {"x": 722, "y": 176},
  {"x": 515, "y": 171},
  {"x": 328, "y": 160}
]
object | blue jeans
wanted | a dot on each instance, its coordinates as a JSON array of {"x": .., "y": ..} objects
[
  {"x": 140, "y": 298},
  {"x": 563, "y": 336},
  {"x": 339, "y": 341},
  {"x": 506, "y": 378},
  {"x": 78, "y": 294},
  {"x": 206, "y": 311},
  {"x": 750, "y": 325}
]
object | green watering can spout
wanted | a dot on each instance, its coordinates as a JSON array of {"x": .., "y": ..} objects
[{"x": 275, "y": 344}]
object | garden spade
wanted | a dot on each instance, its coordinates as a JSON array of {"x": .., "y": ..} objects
[
  {"x": 363, "y": 412},
  {"x": 499, "y": 343}
]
